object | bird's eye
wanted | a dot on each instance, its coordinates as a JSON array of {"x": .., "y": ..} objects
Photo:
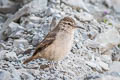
[{"x": 69, "y": 23}]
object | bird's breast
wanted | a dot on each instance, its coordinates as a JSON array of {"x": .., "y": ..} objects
[{"x": 60, "y": 47}]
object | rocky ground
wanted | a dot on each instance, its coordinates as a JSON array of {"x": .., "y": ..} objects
[{"x": 95, "y": 54}]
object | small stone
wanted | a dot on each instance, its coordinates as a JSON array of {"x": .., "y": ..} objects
[
  {"x": 91, "y": 43},
  {"x": 15, "y": 74},
  {"x": 50, "y": 11},
  {"x": 30, "y": 25},
  {"x": 2, "y": 46},
  {"x": 106, "y": 58},
  {"x": 4, "y": 75},
  {"x": 11, "y": 56},
  {"x": 115, "y": 67},
  {"x": 78, "y": 4},
  {"x": 116, "y": 4},
  {"x": 2, "y": 54},
  {"x": 108, "y": 3},
  {"x": 103, "y": 65},
  {"x": 33, "y": 66},
  {"x": 37, "y": 5},
  {"x": 13, "y": 29},
  {"x": 27, "y": 76},
  {"x": 108, "y": 77},
  {"x": 34, "y": 72},
  {"x": 94, "y": 66},
  {"x": 36, "y": 39},
  {"x": 20, "y": 45},
  {"x": 35, "y": 19},
  {"x": 108, "y": 39},
  {"x": 84, "y": 16}
]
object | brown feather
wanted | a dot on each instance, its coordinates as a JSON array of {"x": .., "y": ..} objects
[
  {"x": 43, "y": 44},
  {"x": 50, "y": 38},
  {"x": 47, "y": 41}
]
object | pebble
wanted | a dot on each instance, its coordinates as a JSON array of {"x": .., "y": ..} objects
[{"x": 5, "y": 75}]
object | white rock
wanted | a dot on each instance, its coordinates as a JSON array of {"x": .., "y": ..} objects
[
  {"x": 106, "y": 58},
  {"x": 11, "y": 56},
  {"x": 26, "y": 75},
  {"x": 116, "y": 4},
  {"x": 91, "y": 43},
  {"x": 14, "y": 73},
  {"x": 30, "y": 25},
  {"x": 18, "y": 42},
  {"x": 34, "y": 72},
  {"x": 15, "y": 27},
  {"x": 38, "y": 5},
  {"x": 36, "y": 39},
  {"x": 115, "y": 67},
  {"x": 2, "y": 46},
  {"x": 84, "y": 16},
  {"x": 4, "y": 75},
  {"x": 35, "y": 19},
  {"x": 108, "y": 77},
  {"x": 76, "y": 4},
  {"x": 94, "y": 66},
  {"x": 103, "y": 65},
  {"x": 2, "y": 54},
  {"x": 50, "y": 11},
  {"x": 108, "y": 39},
  {"x": 109, "y": 3},
  {"x": 55, "y": 1},
  {"x": 20, "y": 45}
]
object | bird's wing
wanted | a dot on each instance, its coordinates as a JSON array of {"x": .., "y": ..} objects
[{"x": 46, "y": 41}]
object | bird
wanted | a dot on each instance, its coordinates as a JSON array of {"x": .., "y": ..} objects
[{"x": 57, "y": 43}]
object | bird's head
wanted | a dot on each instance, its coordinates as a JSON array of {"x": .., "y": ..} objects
[{"x": 68, "y": 23}]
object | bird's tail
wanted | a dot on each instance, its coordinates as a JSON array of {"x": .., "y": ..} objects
[
  {"x": 31, "y": 58},
  {"x": 28, "y": 60}
]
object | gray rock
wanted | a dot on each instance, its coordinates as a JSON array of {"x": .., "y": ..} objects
[
  {"x": 29, "y": 25},
  {"x": 108, "y": 39},
  {"x": 16, "y": 75},
  {"x": 2, "y": 46},
  {"x": 38, "y": 5},
  {"x": 116, "y": 54},
  {"x": 106, "y": 58},
  {"x": 115, "y": 67},
  {"x": 101, "y": 77},
  {"x": 103, "y": 65},
  {"x": 55, "y": 1},
  {"x": 11, "y": 56},
  {"x": 2, "y": 54},
  {"x": 27, "y": 76},
  {"x": 20, "y": 45},
  {"x": 4, "y": 75},
  {"x": 50, "y": 11},
  {"x": 94, "y": 66},
  {"x": 116, "y": 4},
  {"x": 84, "y": 16},
  {"x": 79, "y": 4},
  {"x": 108, "y": 77},
  {"x": 35, "y": 19},
  {"x": 108, "y": 3},
  {"x": 36, "y": 39},
  {"x": 34, "y": 72},
  {"x": 13, "y": 29}
]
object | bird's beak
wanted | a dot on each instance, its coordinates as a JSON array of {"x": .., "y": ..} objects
[{"x": 76, "y": 26}]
